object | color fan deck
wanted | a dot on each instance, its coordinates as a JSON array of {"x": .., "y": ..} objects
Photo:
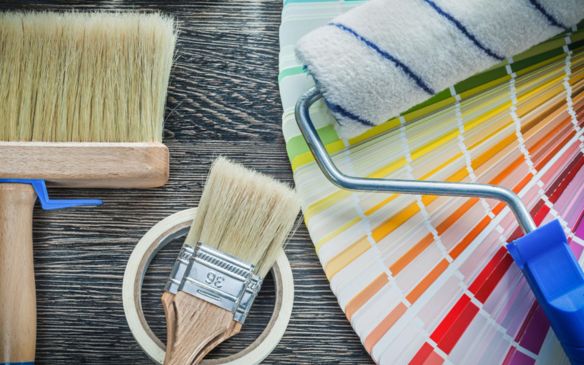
[{"x": 426, "y": 279}]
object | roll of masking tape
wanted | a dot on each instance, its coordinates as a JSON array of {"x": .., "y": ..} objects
[{"x": 159, "y": 236}]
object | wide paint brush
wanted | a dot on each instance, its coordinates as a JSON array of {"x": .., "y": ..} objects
[
  {"x": 81, "y": 105},
  {"x": 242, "y": 222}
]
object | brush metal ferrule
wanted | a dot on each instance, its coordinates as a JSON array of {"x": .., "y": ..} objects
[
  {"x": 221, "y": 279},
  {"x": 179, "y": 269}
]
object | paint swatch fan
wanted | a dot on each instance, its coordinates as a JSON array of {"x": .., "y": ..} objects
[{"x": 428, "y": 278}]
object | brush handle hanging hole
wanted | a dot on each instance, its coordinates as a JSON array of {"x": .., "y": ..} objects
[{"x": 153, "y": 241}]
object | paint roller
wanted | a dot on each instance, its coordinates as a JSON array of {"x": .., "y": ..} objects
[{"x": 385, "y": 56}]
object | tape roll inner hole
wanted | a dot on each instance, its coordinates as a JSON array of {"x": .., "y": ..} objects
[{"x": 255, "y": 325}]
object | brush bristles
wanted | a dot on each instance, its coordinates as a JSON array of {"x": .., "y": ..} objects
[
  {"x": 93, "y": 77},
  {"x": 245, "y": 214}
]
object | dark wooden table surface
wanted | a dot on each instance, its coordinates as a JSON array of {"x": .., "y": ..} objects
[{"x": 223, "y": 99}]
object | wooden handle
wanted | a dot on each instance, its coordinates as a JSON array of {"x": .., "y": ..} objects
[
  {"x": 170, "y": 315},
  {"x": 17, "y": 290},
  {"x": 196, "y": 328},
  {"x": 86, "y": 164}
]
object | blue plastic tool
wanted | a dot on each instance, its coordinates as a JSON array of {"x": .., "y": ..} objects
[
  {"x": 557, "y": 281},
  {"x": 52, "y": 204}
]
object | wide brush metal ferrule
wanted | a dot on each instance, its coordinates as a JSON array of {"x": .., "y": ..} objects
[
  {"x": 217, "y": 278},
  {"x": 179, "y": 269}
]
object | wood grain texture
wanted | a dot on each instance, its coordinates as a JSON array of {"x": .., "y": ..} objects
[
  {"x": 223, "y": 99},
  {"x": 17, "y": 289},
  {"x": 86, "y": 164},
  {"x": 199, "y": 327}
]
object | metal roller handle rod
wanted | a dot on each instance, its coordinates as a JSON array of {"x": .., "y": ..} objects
[{"x": 398, "y": 185}]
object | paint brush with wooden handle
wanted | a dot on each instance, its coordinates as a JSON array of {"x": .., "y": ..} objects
[
  {"x": 241, "y": 224},
  {"x": 81, "y": 105}
]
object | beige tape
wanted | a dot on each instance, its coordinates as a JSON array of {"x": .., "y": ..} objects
[{"x": 138, "y": 263}]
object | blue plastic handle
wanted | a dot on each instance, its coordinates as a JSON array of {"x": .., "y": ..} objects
[
  {"x": 557, "y": 281},
  {"x": 52, "y": 204}
]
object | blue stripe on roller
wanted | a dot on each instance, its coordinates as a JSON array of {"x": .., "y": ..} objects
[
  {"x": 17, "y": 363},
  {"x": 419, "y": 81},
  {"x": 464, "y": 31},
  {"x": 553, "y": 21},
  {"x": 335, "y": 108}
]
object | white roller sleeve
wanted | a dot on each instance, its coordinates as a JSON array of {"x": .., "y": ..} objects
[{"x": 386, "y": 56}]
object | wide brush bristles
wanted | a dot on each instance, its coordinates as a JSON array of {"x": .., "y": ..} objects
[
  {"x": 245, "y": 214},
  {"x": 84, "y": 77}
]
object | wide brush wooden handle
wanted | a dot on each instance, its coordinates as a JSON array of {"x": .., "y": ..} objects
[
  {"x": 86, "y": 164},
  {"x": 194, "y": 328},
  {"x": 17, "y": 288}
]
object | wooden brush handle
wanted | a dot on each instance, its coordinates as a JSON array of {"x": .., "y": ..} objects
[
  {"x": 194, "y": 328},
  {"x": 170, "y": 315},
  {"x": 17, "y": 289},
  {"x": 86, "y": 164}
]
